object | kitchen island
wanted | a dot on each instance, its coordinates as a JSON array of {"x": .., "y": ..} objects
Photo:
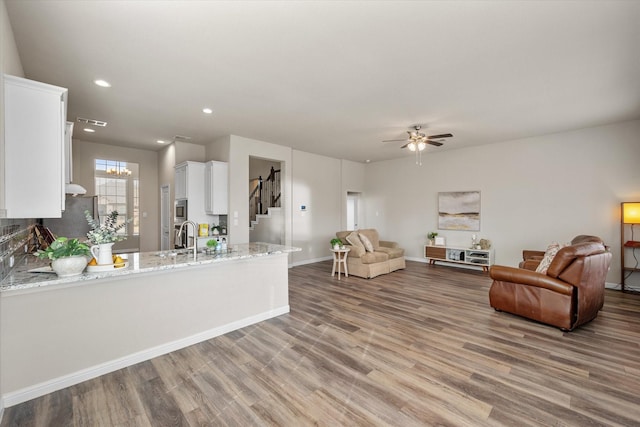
[{"x": 56, "y": 332}]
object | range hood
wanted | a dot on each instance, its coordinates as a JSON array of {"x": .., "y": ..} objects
[{"x": 74, "y": 189}]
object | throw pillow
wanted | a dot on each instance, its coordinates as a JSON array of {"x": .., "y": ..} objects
[
  {"x": 366, "y": 242},
  {"x": 549, "y": 254},
  {"x": 354, "y": 240}
]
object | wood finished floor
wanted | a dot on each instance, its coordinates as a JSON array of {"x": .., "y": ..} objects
[{"x": 418, "y": 347}]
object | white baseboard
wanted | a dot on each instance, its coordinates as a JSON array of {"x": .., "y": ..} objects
[
  {"x": 616, "y": 286},
  {"x": 311, "y": 261},
  {"x": 28, "y": 393},
  {"x": 418, "y": 259}
]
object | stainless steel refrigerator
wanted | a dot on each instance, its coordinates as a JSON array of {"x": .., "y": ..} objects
[{"x": 73, "y": 223}]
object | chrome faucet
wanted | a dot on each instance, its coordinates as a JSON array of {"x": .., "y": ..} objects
[{"x": 195, "y": 236}]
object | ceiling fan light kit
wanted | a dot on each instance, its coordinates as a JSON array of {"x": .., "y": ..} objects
[{"x": 418, "y": 141}]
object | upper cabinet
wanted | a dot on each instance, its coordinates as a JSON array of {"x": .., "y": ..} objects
[
  {"x": 35, "y": 121},
  {"x": 216, "y": 182},
  {"x": 68, "y": 149},
  {"x": 180, "y": 181}
]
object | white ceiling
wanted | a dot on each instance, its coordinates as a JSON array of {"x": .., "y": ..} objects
[{"x": 335, "y": 78}]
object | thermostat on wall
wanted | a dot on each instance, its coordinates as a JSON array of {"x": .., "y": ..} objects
[{"x": 303, "y": 208}]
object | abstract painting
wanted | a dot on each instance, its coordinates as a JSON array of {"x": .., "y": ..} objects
[{"x": 459, "y": 210}]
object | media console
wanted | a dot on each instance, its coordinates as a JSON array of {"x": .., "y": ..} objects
[{"x": 474, "y": 257}]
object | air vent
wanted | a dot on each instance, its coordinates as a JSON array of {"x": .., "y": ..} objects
[
  {"x": 91, "y": 122},
  {"x": 181, "y": 138}
]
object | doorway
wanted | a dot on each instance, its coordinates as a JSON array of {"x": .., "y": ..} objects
[
  {"x": 266, "y": 218},
  {"x": 353, "y": 210}
]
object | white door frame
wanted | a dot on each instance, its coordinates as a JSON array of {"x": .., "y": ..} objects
[{"x": 165, "y": 217}]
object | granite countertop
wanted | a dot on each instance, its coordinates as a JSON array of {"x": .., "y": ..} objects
[{"x": 142, "y": 262}]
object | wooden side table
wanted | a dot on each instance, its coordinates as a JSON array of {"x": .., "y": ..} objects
[{"x": 339, "y": 260}]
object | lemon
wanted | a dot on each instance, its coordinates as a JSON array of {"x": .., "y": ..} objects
[{"x": 93, "y": 262}]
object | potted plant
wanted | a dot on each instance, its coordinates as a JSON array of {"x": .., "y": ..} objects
[
  {"x": 68, "y": 256},
  {"x": 215, "y": 229},
  {"x": 103, "y": 236},
  {"x": 336, "y": 243},
  {"x": 211, "y": 245},
  {"x": 431, "y": 236}
]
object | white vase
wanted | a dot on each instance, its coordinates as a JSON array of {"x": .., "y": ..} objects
[
  {"x": 102, "y": 253},
  {"x": 69, "y": 266}
]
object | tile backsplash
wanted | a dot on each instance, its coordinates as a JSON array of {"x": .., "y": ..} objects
[{"x": 15, "y": 234}]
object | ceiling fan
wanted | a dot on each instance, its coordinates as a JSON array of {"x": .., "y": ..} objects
[{"x": 418, "y": 140}]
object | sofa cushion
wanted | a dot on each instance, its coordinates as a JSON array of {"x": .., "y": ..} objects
[
  {"x": 372, "y": 235},
  {"x": 342, "y": 235},
  {"x": 392, "y": 252},
  {"x": 354, "y": 240},
  {"x": 373, "y": 257},
  {"x": 549, "y": 254},
  {"x": 366, "y": 242}
]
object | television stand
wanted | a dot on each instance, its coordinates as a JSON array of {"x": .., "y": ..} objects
[{"x": 482, "y": 258}]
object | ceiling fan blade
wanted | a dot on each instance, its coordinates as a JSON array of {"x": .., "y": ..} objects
[
  {"x": 405, "y": 145},
  {"x": 436, "y": 143},
  {"x": 394, "y": 140},
  {"x": 444, "y": 135}
]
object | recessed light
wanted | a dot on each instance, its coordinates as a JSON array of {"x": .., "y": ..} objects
[
  {"x": 102, "y": 83},
  {"x": 89, "y": 130},
  {"x": 161, "y": 141},
  {"x": 367, "y": 161},
  {"x": 207, "y": 110}
]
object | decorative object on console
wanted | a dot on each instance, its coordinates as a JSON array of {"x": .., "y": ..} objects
[
  {"x": 485, "y": 244},
  {"x": 431, "y": 236},
  {"x": 459, "y": 210}
]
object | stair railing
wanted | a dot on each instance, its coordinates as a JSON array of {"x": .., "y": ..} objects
[{"x": 265, "y": 194}]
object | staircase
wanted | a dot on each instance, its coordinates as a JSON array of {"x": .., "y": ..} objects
[
  {"x": 264, "y": 194},
  {"x": 268, "y": 227}
]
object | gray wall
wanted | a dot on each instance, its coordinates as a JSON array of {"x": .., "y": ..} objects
[{"x": 533, "y": 191}]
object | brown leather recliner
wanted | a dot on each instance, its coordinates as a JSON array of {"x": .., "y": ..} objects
[
  {"x": 532, "y": 258},
  {"x": 570, "y": 294}
]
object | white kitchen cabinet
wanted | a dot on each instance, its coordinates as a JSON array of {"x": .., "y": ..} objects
[
  {"x": 189, "y": 183},
  {"x": 181, "y": 181},
  {"x": 34, "y": 121},
  {"x": 68, "y": 152},
  {"x": 216, "y": 183}
]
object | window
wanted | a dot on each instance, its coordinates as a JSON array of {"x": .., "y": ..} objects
[{"x": 117, "y": 188}]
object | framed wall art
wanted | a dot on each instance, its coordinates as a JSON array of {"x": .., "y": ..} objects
[{"x": 459, "y": 210}]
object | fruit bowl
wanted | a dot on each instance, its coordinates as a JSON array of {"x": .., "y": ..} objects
[{"x": 119, "y": 262}]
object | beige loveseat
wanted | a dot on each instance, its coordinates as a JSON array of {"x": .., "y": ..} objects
[{"x": 381, "y": 258}]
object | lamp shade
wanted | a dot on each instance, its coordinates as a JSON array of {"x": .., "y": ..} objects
[{"x": 631, "y": 213}]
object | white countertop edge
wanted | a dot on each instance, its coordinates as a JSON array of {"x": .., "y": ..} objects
[{"x": 7, "y": 290}]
